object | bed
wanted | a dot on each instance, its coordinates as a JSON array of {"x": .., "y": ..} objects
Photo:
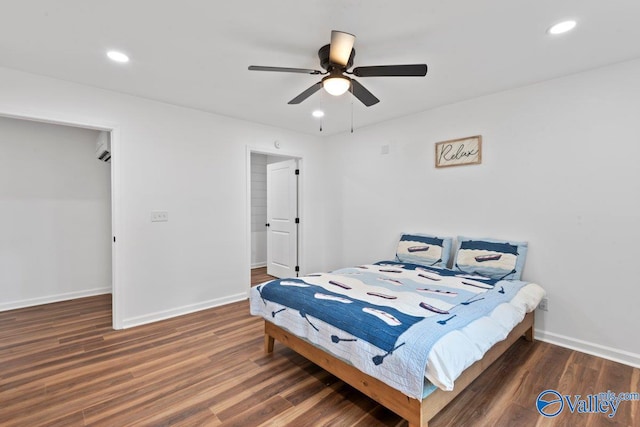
[{"x": 400, "y": 332}]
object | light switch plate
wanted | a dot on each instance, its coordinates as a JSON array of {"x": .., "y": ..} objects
[{"x": 159, "y": 216}]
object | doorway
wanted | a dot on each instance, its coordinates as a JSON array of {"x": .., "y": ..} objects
[
  {"x": 56, "y": 228},
  {"x": 63, "y": 226},
  {"x": 275, "y": 191}
]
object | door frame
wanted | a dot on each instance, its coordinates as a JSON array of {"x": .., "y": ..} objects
[
  {"x": 301, "y": 186},
  {"x": 114, "y": 131}
]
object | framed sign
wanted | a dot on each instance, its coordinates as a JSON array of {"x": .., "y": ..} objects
[{"x": 457, "y": 152}]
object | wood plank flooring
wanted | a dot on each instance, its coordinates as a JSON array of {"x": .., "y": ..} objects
[
  {"x": 259, "y": 275},
  {"x": 62, "y": 365}
]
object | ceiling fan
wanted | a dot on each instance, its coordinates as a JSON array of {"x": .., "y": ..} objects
[{"x": 336, "y": 58}]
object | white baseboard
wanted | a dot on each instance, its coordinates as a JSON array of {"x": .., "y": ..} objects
[
  {"x": 12, "y": 305},
  {"x": 179, "y": 311},
  {"x": 259, "y": 265},
  {"x": 616, "y": 355}
]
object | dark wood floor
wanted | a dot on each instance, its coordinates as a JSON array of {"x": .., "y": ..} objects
[
  {"x": 259, "y": 275},
  {"x": 62, "y": 365}
]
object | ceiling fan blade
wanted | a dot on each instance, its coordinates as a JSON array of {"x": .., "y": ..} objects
[
  {"x": 284, "y": 69},
  {"x": 417, "y": 70},
  {"x": 307, "y": 93},
  {"x": 360, "y": 92},
  {"x": 341, "y": 46}
]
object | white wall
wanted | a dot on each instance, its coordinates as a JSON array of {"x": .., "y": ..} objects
[
  {"x": 189, "y": 163},
  {"x": 559, "y": 170},
  {"x": 55, "y": 214}
]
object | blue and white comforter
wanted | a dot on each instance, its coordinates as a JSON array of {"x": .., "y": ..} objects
[{"x": 383, "y": 318}]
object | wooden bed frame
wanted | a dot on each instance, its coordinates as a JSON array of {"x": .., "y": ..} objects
[{"x": 416, "y": 412}]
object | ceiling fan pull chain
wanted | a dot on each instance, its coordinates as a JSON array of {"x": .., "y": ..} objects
[
  {"x": 322, "y": 109},
  {"x": 352, "y": 108}
]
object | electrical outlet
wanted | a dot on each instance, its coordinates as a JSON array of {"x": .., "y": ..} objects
[
  {"x": 159, "y": 216},
  {"x": 544, "y": 304}
]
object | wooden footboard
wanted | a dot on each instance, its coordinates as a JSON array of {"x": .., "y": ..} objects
[{"x": 416, "y": 412}]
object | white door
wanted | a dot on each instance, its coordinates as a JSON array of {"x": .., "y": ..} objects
[{"x": 282, "y": 211}]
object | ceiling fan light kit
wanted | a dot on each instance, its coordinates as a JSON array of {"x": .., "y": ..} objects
[
  {"x": 336, "y": 58},
  {"x": 336, "y": 84}
]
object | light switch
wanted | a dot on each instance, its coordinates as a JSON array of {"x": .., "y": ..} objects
[{"x": 159, "y": 216}]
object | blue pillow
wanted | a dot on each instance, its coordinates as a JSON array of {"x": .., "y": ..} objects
[
  {"x": 498, "y": 259},
  {"x": 424, "y": 249}
]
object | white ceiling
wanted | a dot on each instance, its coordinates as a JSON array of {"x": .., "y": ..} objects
[{"x": 195, "y": 53}]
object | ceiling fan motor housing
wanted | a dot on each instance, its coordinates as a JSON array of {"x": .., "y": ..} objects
[{"x": 323, "y": 54}]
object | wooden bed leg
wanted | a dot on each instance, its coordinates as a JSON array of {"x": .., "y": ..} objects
[
  {"x": 268, "y": 343},
  {"x": 528, "y": 334}
]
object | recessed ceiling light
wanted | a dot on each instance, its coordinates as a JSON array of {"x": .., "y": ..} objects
[
  {"x": 562, "y": 27},
  {"x": 318, "y": 113},
  {"x": 114, "y": 55}
]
